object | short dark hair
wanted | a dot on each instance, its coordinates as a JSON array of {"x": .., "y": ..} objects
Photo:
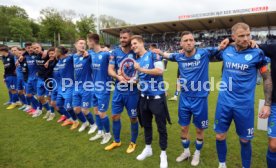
[
  {"x": 153, "y": 45},
  {"x": 107, "y": 45},
  {"x": 62, "y": 50},
  {"x": 51, "y": 49},
  {"x": 184, "y": 33},
  {"x": 95, "y": 37},
  {"x": 138, "y": 38},
  {"x": 18, "y": 48},
  {"x": 4, "y": 48},
  {"x": 80, "y": 39},
  {"x": 126, "y": 31},
  {"x": 27, "y": 44}
]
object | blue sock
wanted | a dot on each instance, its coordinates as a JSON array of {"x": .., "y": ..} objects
[
  {"x": 199, "y": 144},
  {"x": 29, "y": 100},
  {"x": 64, "y": 112},
  {"x": 134, "y": 131},
  {"x": 14, "y": 97},
  {"x": 10, "y": 96},
  {"x": 99, "y": 123},
  {"x": 246, "y": 153},
  {"x": 90, "y": 118},
  {"x": 34, "y": 102},
  {"x": 221, "y": 150},
  {"x": 23, "y": 98},
  {"x": 185, "y": 143},
  {"x": 40, "y": 106},
  {"x": 72, "y": 114},
  {"x": 52, "y": 109},
  {"x": 46, "y": 106},
  {"x": 271, "y": 159},
  {"x": 81, "y": 117},
  {"x": 117, "y": 130},
  {"x": 106, "y": 124},
  {"x": 176, "y": 93}
]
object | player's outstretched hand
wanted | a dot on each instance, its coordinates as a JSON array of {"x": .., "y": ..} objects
[
  {"x": 253, "y": 44},
  {"x": 137, "y": 66},
  {"x": 85, "y": 54},
  {"x": 224, "y": 44},
  {"x": 21, "y": 58},
  {"x": 121, "y": 79},
  {"x": 265, "y": 112},
  {"x": 46, "y": 65}
]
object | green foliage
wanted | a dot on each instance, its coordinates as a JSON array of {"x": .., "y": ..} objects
[{"x": 86, "y": 25}]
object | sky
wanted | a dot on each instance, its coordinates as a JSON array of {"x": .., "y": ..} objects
[{"x": 138, "y": 11}]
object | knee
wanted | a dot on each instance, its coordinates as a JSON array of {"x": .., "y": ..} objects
[
  {"x": 134, "y": 120},
  {"x": 272, "y": 145},
  {"x": 102, "y": 115},
  {"x": 116, "y": 117},
  {"x": 85, "y": 111},
  {"x": 29, "y": 95},
  {"x": 220, "y": 137},
  {"x": 53, "y": 104},
  {"x": 244, "y": 140},
  {"x": 77, "y": 110},
  {"x": 20, "y": 92},
  {"x": 184, "y": 130}
]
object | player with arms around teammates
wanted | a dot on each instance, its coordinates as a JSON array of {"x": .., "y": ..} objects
[
  {"x": 241, "y": 64},
  {"x": 193, "y": 66},
  {"x": 102, "y": 86},
  {"x": 122, "y": 97}
]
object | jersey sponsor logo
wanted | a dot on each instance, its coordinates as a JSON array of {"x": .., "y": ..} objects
[
  {"x": 78, "y": 66},
  {"x": 248, "y": 57},
  {"x": 190, "y": 64},
  {"x": 96, "y": 66},
  {"x": 238, "y": 66},
  {"x": 197, "y": 56}
]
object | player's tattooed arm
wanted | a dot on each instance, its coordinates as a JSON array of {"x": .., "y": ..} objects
[
  {"x": 267, "y": 87},
  {"x": 265, "y": 112}
]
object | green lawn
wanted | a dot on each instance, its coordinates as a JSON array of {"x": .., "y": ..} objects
[{"x": 28, "y": 142}]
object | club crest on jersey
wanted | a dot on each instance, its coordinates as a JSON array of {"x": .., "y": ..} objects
[
  {"x": 25, "y": 64},
  {"x": 248, "y": 57},
  {"x": 64, "y": 61},
  {"x": 33, "y": 57},
  {"x": 197, "y": 56},
  {"x": 8, "y": 59},
  {"x": 81, "y": 58},
  {"x": 130, "y": 56}
]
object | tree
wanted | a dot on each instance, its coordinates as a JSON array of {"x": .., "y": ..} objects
[
  {"x": 20, "y": 29},
  {"x": 7, "y": 14},
  {"x": 85, "y": 25},
  {"x": 110, "y": 21}
]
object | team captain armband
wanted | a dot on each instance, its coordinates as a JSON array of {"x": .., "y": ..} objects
[{"x": 263, "y": 69}]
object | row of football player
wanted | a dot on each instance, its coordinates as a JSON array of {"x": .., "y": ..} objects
[{"x": 231, "y": 105}]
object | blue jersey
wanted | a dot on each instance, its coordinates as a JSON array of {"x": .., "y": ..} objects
[
  {"x": 19, "y": 71},
  {"x": 240, "y": 73},
  {"x": 150, "y": 84},
  {"x": 100, "y": 63},
  {"x": 194, "y": 71},
  {"x": 32, "y": 67},
  {"x": 82, "y": 69},
  {"x": 66, "y": 69},
  {"x": 117, "y": 56}
]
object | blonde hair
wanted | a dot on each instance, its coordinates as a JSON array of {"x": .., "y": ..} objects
[{"x": 239, "y": 25}]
